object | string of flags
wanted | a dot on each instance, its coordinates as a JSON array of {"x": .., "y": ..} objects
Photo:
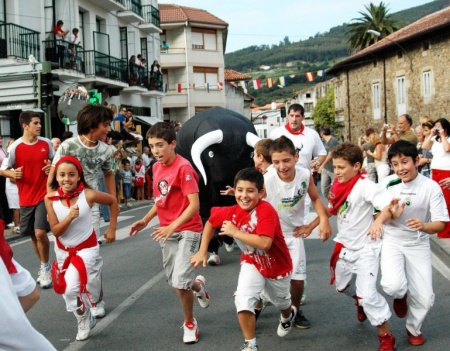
[{"x": 206, "y": 86}]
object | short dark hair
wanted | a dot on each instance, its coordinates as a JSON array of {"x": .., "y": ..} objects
[
  {"x": 27, "y": 116},
  {"x": 162, "y": 130},
  {"x": 326, "y": 131},
  {"x": 252, "y": 175},
  {"x": 90, "y": 117},
  {"x": 408, "y": 118},
  {"x": 281, "y": 144},
  {"x": 59, "y": 23},
  {"x": 67, "y": 134},
  {"x": 445, "y": 125},
  {"x": 349, "y": 152},
  {"x": 403, "y": 147},
  {"x": 297, "y": 107}
]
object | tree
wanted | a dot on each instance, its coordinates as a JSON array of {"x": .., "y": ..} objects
[
  {"x": 376, "y": 18},
  {"x": 323, "y": 113}
]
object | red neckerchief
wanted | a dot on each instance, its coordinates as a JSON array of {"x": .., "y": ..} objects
[
  {"x": 288, "y": 127},
  {"x": 340, "y": 191},
  {"x": 68, "y": 196},
  {"x": 138, "y": 167},
  {"x": 333, "y": 260}
]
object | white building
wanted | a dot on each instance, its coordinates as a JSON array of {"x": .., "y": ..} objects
[
  {"x": 193, "y": 65},
  {"x": 110, "y": 31}
]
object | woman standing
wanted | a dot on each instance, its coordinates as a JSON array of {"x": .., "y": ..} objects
[
  {"x": 439, "y": 143},
  {"x": 380, "y": 156}
]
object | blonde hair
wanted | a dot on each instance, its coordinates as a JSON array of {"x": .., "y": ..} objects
[
  {"x": 114, "y": 109},
  {"x": 426, "y": 121},
  {"x": 374, "y": 139}
]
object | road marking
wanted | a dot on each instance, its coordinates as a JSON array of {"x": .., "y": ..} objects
[
  {"x": 105, "y": 322},
  {"x": 440, "y": 266}
]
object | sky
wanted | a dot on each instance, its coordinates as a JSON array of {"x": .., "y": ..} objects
[{"x": 258, "y": 22}]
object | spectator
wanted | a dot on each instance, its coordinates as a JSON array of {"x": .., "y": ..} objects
[
  {"x": 60, "y": 35},
  {"x": 139, "y": 178},
  {"x": 134, "y": 73},
  {"x": 156, "y": 76},
  {"x": 12, "y": 194},
  {"x": 164, "y": 47},
  {"x": 140, "y": 68},
  {"x": 55, "y": 143},
  {"x": 380, "y": 156},
  {"x": 129, "y": 141},
  {"x": 405, "y": 132},
  {"x": 73, "y": 37},
  {"x": 425, "y": 155},
  {"x": 366, "y": 146},
  {"x": 326, "y": 168}
]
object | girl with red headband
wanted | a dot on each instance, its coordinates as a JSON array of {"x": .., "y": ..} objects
[{"x": 77, "y": 271}]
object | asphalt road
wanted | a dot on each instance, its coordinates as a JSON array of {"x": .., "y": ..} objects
[{"x": 143, "y": 312}]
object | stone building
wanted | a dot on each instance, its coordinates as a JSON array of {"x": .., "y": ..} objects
[{"x": 406, "y": 72}]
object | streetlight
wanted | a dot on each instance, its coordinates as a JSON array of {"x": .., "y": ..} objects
[{"x": 378, "y": 34}]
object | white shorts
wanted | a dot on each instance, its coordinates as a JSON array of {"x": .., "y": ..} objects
[
  {"x": 252, "y": 283},
  {"x": 297, "y": 250},
  {"x": 12, "y": 195},
  {"x": 23, "y": 282},
  {"x": 177, "y": 251}
]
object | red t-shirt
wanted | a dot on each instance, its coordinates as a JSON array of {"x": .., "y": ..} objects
[
  {"x": 275, "y": 263},
  {"x": 33, "y": 185},
  {"x": 171, "y": 186}
]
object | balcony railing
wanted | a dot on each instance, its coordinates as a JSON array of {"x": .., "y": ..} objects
[
  {"x": 17, "y": 41},
  {"x": 68, "y": 55},
  {"x": 134, "y": 6},
  {"x": 103, "y": 65},
  {"x": 151, "y": 15}
]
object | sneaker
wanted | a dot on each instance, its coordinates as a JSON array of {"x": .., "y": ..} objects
[
  {"x": 45, "y": 278},
  {"x": 190, "y": 335},
  {"x": 214, "y": 259},
  {"x": 401, "y": 306},
  {"x": 85, "y": 323},
  {"x": 415, "y": 340},
  {"x": 99, "y": 310},
  {"x": 202, "y": 296},
  {"x": 129, "y": 204},
  {"x": 229, "y": 247},
  {"x": 300, "y": 321},
  {"x": 285, "y": 327},
  {"x": 16, "y": 230},
  {"x": 10, "y": 225},
  {"x": 360, "y": 312},
  {"x": 248, "y": 347},
  {"x": 387, "y": 342}
]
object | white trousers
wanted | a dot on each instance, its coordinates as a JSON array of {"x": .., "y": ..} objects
[
  {"x": 406, "y": 267},
  {"x": 356, "y": 274}
]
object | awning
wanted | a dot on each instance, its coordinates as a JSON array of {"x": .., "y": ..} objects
[{"x": 147, "y": 120}]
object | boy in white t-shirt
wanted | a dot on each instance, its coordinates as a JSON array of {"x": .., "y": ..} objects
[
  {"x": 355, "y": 260},
  {"x": 406, "y": 273}
]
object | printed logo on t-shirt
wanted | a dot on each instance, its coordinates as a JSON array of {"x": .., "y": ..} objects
[
  {"x": 163, "y": 187},
  {"x": 43, "y": 150},
  {"x": 188, "y": 177}
]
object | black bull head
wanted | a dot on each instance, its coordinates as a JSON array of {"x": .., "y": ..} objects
[{"x": 218, "y": 142}]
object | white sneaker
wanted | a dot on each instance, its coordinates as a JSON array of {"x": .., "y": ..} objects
[
  {"x": 203, "y": 295},
  {"x": 85, "y": 323},
  {"x": 214, "y": 259},
  {"x": 285, "y": 327},
  {"x": 229, "y": 247},
  {"x": 45, "y": 278},
  {"x": 190, "y": 335},
  {"x": 99, "y": 310},
  {"x": 248, "y": 347},
  {"x": 16, "y": 230},
  {"x": 10, "y": 225},
  {"x": 129, "y": 204}
]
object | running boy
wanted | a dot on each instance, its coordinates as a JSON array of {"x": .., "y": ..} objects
[
  {"x": 356, "y": 256},
  {"x": 265, "y": 261},
  {"x": 77, "y": 272},
  {"x": 405, "y": 256},
  {"x": 175, "y": 188}
]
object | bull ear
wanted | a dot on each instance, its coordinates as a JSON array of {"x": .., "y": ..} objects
[
  {"x": 252, "y": 139},
  {"x": 208, "y": 139}
]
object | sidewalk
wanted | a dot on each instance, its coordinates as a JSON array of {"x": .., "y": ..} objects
[{"x": 10, "y": 236}]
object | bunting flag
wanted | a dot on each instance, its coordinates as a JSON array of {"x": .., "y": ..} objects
[
  {"x": 165, "y": 87},
  {"x": 179, "y": 88},
  {"x": 220, "y": 85},
  {"x": 269, "y": 82},
  {"x": 244, "y": 85},
  {"x": 320, "y": 73},
  {"x": 293, "y": 75},
  {"x": 309, "y": 76},
  {"x": 257, "y": 84},
  {"x": 283, "y": 81}
]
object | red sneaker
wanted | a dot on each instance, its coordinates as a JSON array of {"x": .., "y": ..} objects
[
  {"x": 401, "y": 306},
  {"x": 387, "y": 342},
  {"x": 415, "y": 340},
  {"x": 360, "y": 311}
]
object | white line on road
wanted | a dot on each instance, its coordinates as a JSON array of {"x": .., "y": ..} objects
[
  {"x": 112, "y": 316},
  {"x": 440, "y": 266}
]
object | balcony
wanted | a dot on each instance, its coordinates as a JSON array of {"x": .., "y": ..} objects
[
  {"x": 151, "y": 20},
  {"x": 112, "y": 5},
  {"x": 18, "y": 42},
  {"x": 69, "y": 56},
  {"x": 173, "y": 57},
  {"x": 133, "y": 11},
  {"x": 105, "y": 70},
  {"x": 173, "y": 99}
]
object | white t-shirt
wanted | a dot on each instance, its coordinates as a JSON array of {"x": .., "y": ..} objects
[
  {"x": 74, "y": 40},
  {"x": 441, "y": 158},
  {"x": 424, "y": 200},
  {"x": 288, "y": 199},
  {"x": 308, "y": 144},
  {"x": 355, "y": 216}
]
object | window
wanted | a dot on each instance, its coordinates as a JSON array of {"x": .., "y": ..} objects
[
  {"x": 123, "y": 43},
  {"x": 426, "y": 83},
  {"x": 204, "y": 39},
  {"x": 376, "y": 101},
  {"x": 203, "y": 75},
  {"x": 401, "y": 95},
  {"x": 81, "y": 27},
  {"x": 308, "y": 107}
]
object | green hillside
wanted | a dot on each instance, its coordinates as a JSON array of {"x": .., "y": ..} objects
[{"x": 293, "y": 59}]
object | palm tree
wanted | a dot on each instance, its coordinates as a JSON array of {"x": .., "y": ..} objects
[{"x": 376, "y": 18}]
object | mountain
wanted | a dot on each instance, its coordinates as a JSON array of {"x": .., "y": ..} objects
[{"x": 294, "y": 59}]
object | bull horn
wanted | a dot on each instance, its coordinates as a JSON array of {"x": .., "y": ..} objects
[
  {"x": 208, "y": 139},
  {"x": 252, "y": 139}
]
